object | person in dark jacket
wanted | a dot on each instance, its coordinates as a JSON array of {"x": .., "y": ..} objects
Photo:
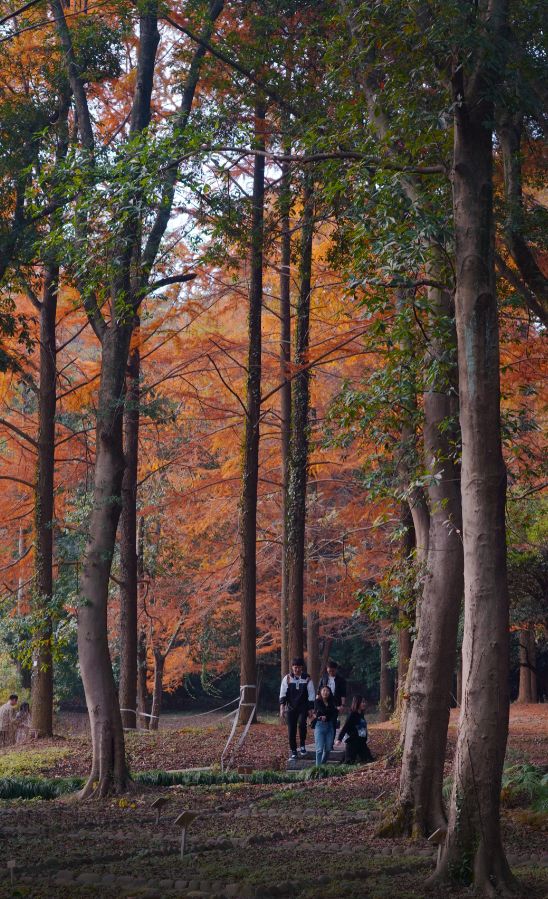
[
  {"x": 325, "y": 720},
  {"x": 354, "y": 733},
  {"x": 333, "y": 679},
  {"x": 297, "y": 697}
]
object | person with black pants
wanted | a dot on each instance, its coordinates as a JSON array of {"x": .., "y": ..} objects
[
  {"x": 355, "y": 731},
  {"x": 297, "y": 697}
]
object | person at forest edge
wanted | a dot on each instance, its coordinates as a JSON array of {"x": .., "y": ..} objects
[
  {"x": 325, "y": 720},
  {"x": 333, "y": 679},
  {"x": 297, "y": 697},
  {"x": 355, "y": 732},
  {"x": 7, "y": 718},
  {"x": 23, "y": 723}
]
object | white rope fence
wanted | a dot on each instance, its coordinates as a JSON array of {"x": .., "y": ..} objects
[{"x": 225, "y": 765}]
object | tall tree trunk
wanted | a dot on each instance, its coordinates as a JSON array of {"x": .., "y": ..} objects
[
  {"x": 108, "y": 761},
  {"x": 250, "y": 471},
  {"x": 142, "y": 691},
  {"x": 473, "y": 845},
  {"x": 42, "y": 673},
  {"x": 385, "y": 686},
  {"x": 527, "y": 660},
  {"x": 313, "y": 645},
  {"x": 285, "y": 392},
  {"x": 128, "y": 544},
  {"x": 159, "y": 663},
  {"x": 295, "y": 504}
]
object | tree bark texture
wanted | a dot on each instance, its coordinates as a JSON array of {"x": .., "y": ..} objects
[
  {"x": 42, "y": 670},
  {"x": 473, "y": 844},
  {"x": 527, "y": 666},
  {"x": 250, "y": 469},
  {"x": 295, "y": 503},
  {"x": 285, "y": 393},
  {"x": 128, "y": 545}
]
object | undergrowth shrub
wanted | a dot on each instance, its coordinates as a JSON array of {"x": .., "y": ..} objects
[{"x": 525, "y": 785}]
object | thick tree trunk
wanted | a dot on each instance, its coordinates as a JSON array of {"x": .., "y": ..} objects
[
  {"x": 295, "y": 503},
  {"x": 159, "y": 663},
  {"x": 42, "y": 670},
  {"x": 527, "y": 663},
  {"x": 313, "y": 645},
  {"x": 285, "y": 393},
  {"x": 109, "y": 768},
  {"x": 404, "y": 633},
  {"x": 128, "y": 545},
  {"x": 250, "y": 470},
  {"x": 385, "y": 686},
  {"x": 473, "y": 846}
]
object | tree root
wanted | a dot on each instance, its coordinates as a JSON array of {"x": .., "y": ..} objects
[{"x": 491, "y": 878}]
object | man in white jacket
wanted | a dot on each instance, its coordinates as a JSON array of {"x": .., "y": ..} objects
[{"x": 297, "y": 695}]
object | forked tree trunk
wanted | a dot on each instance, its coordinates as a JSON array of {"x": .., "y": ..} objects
[
  {"x": 285, "y": 391},
  {"x": 473, "y": 846},
  {"x": 128, "y": 545},
  {"x": 42, "y": 666},
  {"x": 159, "y": 664},
  {"x": 295, "y": 504},
  {"x": 527, "y": 665},
  {"x": 250, "y": 468},
  {"x": 108, "y": 768}
]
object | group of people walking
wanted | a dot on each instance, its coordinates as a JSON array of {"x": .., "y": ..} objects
[
  {"x": 15, "y": 722},
  {"x": 300, "y": 705}
]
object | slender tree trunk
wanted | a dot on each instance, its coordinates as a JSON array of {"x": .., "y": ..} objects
[
  {"x": 42, "y": 673},
  {"x": 142, "y": 691},
  {"x": 404, "y": 633},
  {"x": 128, "y": 545},
  {"x": 250, "y": 472},
  {"x": 159, "y": 663},
  {"x": 285, "y": 393},
  {"x": 313, "y": 645},
  {"x": 109, "y": 768},
  {"x": 473, "y": 845},
  {"x": 295, "y": 504},
  {"x": 527, "y": 676},
  {"x": 385, "y": 686}
]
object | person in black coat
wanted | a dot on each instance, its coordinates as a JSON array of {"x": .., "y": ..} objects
[
  {"x": 297, "y": 697},
  {"x": 354, "y": 733}
]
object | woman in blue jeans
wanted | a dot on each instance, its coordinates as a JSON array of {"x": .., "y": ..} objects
[{"x": 325, "y": 715}]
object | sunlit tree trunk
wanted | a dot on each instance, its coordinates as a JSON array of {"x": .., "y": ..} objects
[
  {"x": 250, "y": 469},
  {"x": 313, "y": 645},
  {"x": 295, "y": 504},
  {"x": 159, "y": 664},
  {"x": 128, "y": 544}
]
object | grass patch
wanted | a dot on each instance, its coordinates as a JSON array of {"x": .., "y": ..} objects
[
  {"x": 31, "y": 762},
  {"x": 525, "y": 785},
  {"x": 38, "y": 787},
  {"x": 20, "y": 787}
]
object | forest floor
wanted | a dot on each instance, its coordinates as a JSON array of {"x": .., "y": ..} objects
[{"x": 312, "y": 839}]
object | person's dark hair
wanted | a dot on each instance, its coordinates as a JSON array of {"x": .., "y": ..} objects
[
  {"x": 24, "y": 707},
  {"x": 331, "y": 699},
  {"x": 298, "y": 661},
  {"x": 14, "y": 696},
  {"x": 331, "y": 663},
  {"x": 356, "y": 702}
]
